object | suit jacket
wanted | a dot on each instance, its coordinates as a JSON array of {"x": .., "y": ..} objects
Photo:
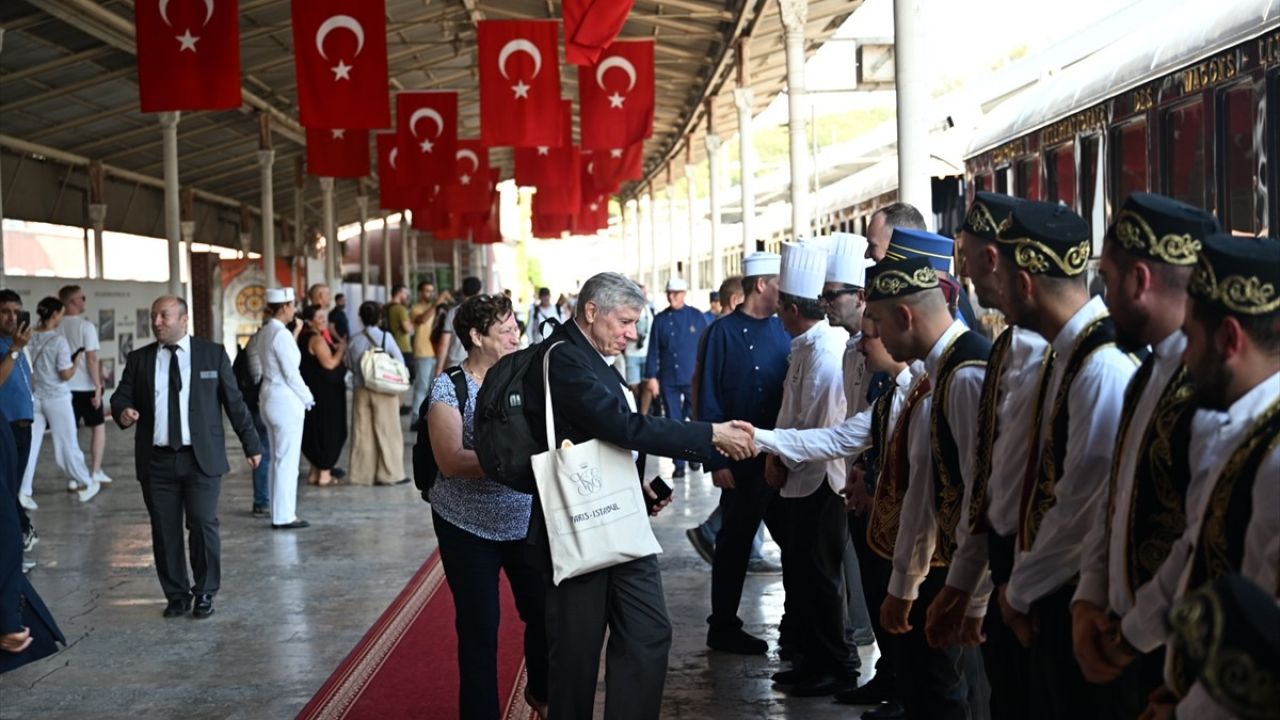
[{"x": 213, "y": 390}]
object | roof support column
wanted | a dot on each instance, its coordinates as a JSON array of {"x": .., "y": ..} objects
[
  {"x": 794, "y": 15},
  {"x": 404, "y": 249},
  {"x": 652, "y": 211},
  {"x": 299, "y": 235},
  {"x": 692, "y": 274},
  {"x": 626, "y": 238},
  {"x": 672, "y": 262},
  {"x": 97, "y": 212},
  {"x": 362, "y": 202},
  {"x": 385, "y": 276},
  {"x": 172, "y": 228},
  {"x": 330, "y": 235},
  {"x": 910, "y": 56},
  {"x": 457, "y": 264},
  {"x": 744, "y": 99},
  {"x": 713, "y": 142},
  {"x": 266, "y": 162},
  {"x": 411, "y": 273}
]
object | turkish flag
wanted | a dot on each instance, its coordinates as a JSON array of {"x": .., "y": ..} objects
[
  {"x": 519, "y": 82},
  {"x": 486, "y": 229},
  {"x": 393, "y": 194},
  {"x": 590, "y": 26},
  {"x": 427, "y": 134},
  {"x": 340, "y": 53},
  {"x": 616, "y": 96},
  {"x": 337, "y": 153},
  {"x": 469, "y": 190},
  {"x": 532, "y": 164},
  {"x": 562, "y": 195},
  {"x": 188, "y": 55},
  {"x": 611, "y": 168},
  {"x": 550, "y": 227}
]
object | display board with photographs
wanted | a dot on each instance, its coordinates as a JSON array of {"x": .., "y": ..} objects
[
  {"x": 106, "y": 325},
  {"x": 144, "y": 324},
  {"x": 125, "y": 341},
  {"x": 107, "y": 367}
]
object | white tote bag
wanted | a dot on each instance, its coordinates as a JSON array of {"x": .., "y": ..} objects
[
  {"x": 381, "y": 371},
  {"x": 592, "y": 502}
]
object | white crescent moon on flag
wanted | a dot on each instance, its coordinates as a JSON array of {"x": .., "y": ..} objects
[
  {"x": 616, "y": 61},
  {"x": 164, "y": 12},
  {"x": 429, "y": 113},
  {"x": 391, "y": 158},
  {"x": 515, "y": 46},
  {"x": 338, "y": 21},
  {"x": 470, "y": 155}
]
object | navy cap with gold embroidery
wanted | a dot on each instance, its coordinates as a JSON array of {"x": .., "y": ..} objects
[
  {"x": 986, "y": 212},
  {"x": 898, "y": 278},
  {"x": 911, "y": 243},
  {"x": 1045, "y": 238},
  {"x": 1241, "y": 274},
  {"x": 1160, "y": 228}
]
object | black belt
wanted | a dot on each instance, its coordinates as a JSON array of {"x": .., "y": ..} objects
[
  {"x": 166, "y": 448},
  {"x": 20, "y": 423}
]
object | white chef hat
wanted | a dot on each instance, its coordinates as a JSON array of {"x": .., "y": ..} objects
[
  {"x": 279, "y": 296},
  {"x": 846, "y": 263},
  {"x": 762, "y": 264},
  {"x": 804, "y": 269}
]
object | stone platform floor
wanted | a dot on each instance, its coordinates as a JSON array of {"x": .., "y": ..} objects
[{"x": 294, "y": 603}]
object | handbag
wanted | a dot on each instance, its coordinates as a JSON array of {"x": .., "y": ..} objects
[
  {"x": 591, "y": 500},
  {"x": 381, "y": 371}
]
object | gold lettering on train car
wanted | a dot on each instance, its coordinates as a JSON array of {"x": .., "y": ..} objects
[
  {"x": 1006, "y": 153},
  {"x": 1144, "y": 99},
  {"x": 1210, "y": 73},
  {"x": 1269, "y": 50},
  {"x": 1068, "y": 128}
]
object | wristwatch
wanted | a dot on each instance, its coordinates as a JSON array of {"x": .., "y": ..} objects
[{"x": 15, "y": 354}]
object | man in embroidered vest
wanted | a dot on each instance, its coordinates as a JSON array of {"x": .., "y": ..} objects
[
  {"x": 1147, "y": 259},
  {"x": 1232, "y": 326},
  {"x": 906, "y": 306},
  {"x": 1077, "y": 417},
  {"x": 1000, "y": 460}
]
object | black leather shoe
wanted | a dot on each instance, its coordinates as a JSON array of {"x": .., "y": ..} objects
[
  {"x": 178, "y": 606},
  {"x": 261, "y": 510},
  {"x": 295, "y": 525},
  {"x": 822, "y": 685},
  {"x": 203, "y": 608},
  {"x": 706, "y": 548},
  {"x": 887, "y": 711},
  {"x": 338, "y": 473},
  {"x": 678, "y": 473},
  {"x": 878, "y": 689},
  {"x": 736, "y": 641},
  {"x": 794, "y": 676},
  {"x": 695, "y": 466}
]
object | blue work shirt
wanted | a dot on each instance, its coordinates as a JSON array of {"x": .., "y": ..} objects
[
  {"x": 710, "y": 316},
  {"x": 15, "y": 393},
  {"x": 673, "y": 346}
]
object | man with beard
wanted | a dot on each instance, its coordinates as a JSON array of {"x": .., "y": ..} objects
[
  {"x": 1147, "y": 260},
  {"x": 1232, "y": 326}
]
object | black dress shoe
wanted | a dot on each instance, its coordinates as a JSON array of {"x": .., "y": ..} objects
[
  {"x": 260, "y": 510},
  {"x": 887, "y": 711},
  {"x": 295, "y": 525},
  {"x": 203, "y": 608},
  {"x": 878, "y": 689},
  {"x": 178, "y": 606},
  {"x": 794, "y": 676},
  {"x": 338, "y": 473},
  {"x": 695, "y": 466},
  {"x": 736, "y": 641},
  {"x": 678, "y": 473},
  {"x": 706, "y": 548},
  {"x": 822, "y": 685}
]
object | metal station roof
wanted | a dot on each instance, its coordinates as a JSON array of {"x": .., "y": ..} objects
[{"x": 68, "y": 94}]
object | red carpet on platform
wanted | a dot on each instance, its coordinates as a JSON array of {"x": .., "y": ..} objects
[{"x": 406, "y": 665}]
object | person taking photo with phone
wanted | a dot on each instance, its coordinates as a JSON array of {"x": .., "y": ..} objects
[{"x": 15, "y": 393}]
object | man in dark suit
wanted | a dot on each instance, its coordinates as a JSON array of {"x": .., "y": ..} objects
[
  {"x": 175, "y": 390},
  {"x": 592, "y": 402}
]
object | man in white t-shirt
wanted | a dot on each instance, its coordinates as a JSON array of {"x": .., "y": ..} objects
[{"x": 86, "y": 384}]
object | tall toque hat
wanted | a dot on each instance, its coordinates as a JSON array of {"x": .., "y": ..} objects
[
  {"x": 1160, "y": 228},
  {"x": 910, "y": 243},
  {"x": 847, "y": 262},
  {"x": 1045, "y": 239},
  {"x": 898, "y": 278},
  {"x": 986, "y": 213},
  {"x": 804, "y": 269},
  {"x": 1241, "y": 274},
  {"x": 762, "y": 263}
]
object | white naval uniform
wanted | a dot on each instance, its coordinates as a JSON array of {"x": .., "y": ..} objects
[{"x": 274, "y": 358}]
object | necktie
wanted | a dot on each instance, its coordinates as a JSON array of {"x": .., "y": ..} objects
[{"x": 175, "y": 407}]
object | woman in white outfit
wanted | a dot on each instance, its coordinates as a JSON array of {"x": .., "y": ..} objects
[
  {"x": 51, "y": 367},
  {"x": 284, "y": 399}
]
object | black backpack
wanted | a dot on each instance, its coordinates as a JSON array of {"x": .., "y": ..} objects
[
  {"x": 504, "y": 441},
  {"x": 425, "y": 467}
]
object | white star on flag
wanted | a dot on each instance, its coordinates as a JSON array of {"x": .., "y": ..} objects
[
  {"x": 595, "y": 207},
  {"x": 522, "y": 90},
  {"x": 339, "y": 134},
  {"x": 426, "y": 146},
  {"x": 341, "y": 71},
  {"x": 188, "y": 41},
  {"x": 615, "y": 153},
  {"x": 543, "y": 150},
  {"x": 465, "y": 179},
  {"x": 615, "y": 100}
]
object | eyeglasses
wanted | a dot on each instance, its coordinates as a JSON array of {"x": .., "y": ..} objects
[{"x": 831, "y": 295}]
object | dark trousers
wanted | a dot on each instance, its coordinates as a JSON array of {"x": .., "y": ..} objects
[
  {"x": 1056, "y": 685},
  {"x": 1005, "y": 661},
  {"x": 677, "y": 403},
  {"x": 627, "y": 600},
  {"x": 875, "y": 572},
  {"x": 741, "y": 511},
  {"x": 813, "y": 572},
  {"x": 931, "y": 680},
  {"x": 22, "y": 443},
  {"x": 471, "y": 567},
  {"x": 176, "y": 491},
  {"x": 1126, "y": 697}
]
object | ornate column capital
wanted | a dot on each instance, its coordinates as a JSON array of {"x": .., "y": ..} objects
[
  {"x": 794, "y": 14},
  {"x": 266, "y": 158},
  {"x": 713, "y": 143},
  {"x": 744, "y": 99}
]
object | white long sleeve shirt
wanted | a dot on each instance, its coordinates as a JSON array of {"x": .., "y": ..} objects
[
  {"x": 814, "y": 398},
  {"x": 1019, "y": 383},
  {"x": 160, "y": 433},
  {"x": 274, "y": 358},
  {"x": 1102, "y": 568},
  {"x": 1094, "y": 400},
  {"x": 918, "y": 530}
]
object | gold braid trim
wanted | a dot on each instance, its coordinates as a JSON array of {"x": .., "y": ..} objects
[
  {"x": 1134, "y": 233},
  {"x": 988, "y": 428},
  {"x": 1035, "y": 257},
  {"x": 980, "y": 219},
  {"x": 891, "y": 283},
  {"x": 1247, "y": 295}
]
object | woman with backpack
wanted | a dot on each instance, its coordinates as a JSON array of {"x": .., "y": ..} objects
[
  {"x": 377, "y": 441},
  {"x": 481, "y": 524}
]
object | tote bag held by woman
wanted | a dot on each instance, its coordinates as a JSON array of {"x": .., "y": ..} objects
[{"x": 381, "y": 371}]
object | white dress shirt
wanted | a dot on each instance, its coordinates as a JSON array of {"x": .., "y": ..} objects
[
  {"x": 1102, "y": 568},
  {"x": 856, "y": 377},
  {"x": 814, "y": 398},
  {"x": 1094, "y": 400},
  {"x": 274, "y": 358},
  {"x": 1022, "y": 368},
  {"x": 918, "y": 528},
  {"x": 160, "y": 433}
]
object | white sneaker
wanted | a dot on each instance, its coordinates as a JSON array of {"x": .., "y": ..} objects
[
  {"x": 73, "y": 486},
  {"x": 102, "y": 478},
  {"x": 27, "y": 565},
  {"x": 27, "y": 502},
  {"x": 87, "y": 494}
]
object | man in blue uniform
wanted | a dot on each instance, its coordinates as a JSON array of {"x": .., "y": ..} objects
[{"x": 673, "y": 353}]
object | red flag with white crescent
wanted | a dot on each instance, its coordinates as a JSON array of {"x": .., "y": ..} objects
[
  {"x": 616, "y": 96},
  {"x": 188, "y": 55},
  {"x": 532, "y": 164},
  {"x": 590, "y": 26},
  {"x": 469, "y": 190},
  {"x": 393, "y": 194},
  {"x": 551, "y": 227},
  {"x": 486, "y": 228},
  {"x": 611, "y": 168},
  {"x": 340, "y": 54},
  {"x": 563, "y": 195},
  {"x": 337, "y": 153},
  {"x": 519, "y": 82},
  {"x": 427, "y": 132}
]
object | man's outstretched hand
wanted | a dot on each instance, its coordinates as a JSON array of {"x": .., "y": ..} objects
[{"x": 733, "y": 441}]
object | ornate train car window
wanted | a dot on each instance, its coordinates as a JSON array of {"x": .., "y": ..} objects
[
  {"x": 1243, "y": 203},
  {"x": 1027, "y": 178},
  {"x": 1060, "y": 162},
  {"x": 1090, "y": 163},
  {"x": 1183, "y": 153},
  {"x": 1129, "y": 159}
]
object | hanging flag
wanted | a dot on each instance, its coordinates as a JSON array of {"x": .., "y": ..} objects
[
  {"x": 486, "y": 228},
  {"x": 616, "y": 96},
  {"x": 531, "y": 164},
  {"x": 393, "y": 194},
  {"x": 550, "y": 227},
  {"x": 611, "y": 168},
  {"x": 340, "y": 53},
  {"x": 469, "y": 190},
  {"x": 590, "y": 26},
  {"x": 592, "y": 217},
  {"x": 519, "y": 82},
  {"x": 563, "y": 195},
  {"x": 427, "y": 135},
  {"x": 337, "y": 153},
  {"x": 188, "y": 55}
]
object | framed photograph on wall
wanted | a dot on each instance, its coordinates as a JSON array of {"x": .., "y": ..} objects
[
  {"x": 106, "y": 325},
  {"x": 126, "y": 346},
  {"x": 107, "y": 367},
  {"x": 143, "y": 331}
]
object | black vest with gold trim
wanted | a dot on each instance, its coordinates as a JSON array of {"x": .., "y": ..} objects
[
  {"x": 1043, "y": 494},
  {"x": 988, "y": 427},
  {"x": 895, "y": 471},
  {"x": 967, "y": 350}
]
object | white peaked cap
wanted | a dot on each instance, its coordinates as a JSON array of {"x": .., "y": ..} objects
[
  {"x": 762, "y": 263},
  {"x": 279, "y": 296},
  {"x": 846, "y": 263},
  {"x": 804, "y": 270},
  {"x": 677, "y": 284}
]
